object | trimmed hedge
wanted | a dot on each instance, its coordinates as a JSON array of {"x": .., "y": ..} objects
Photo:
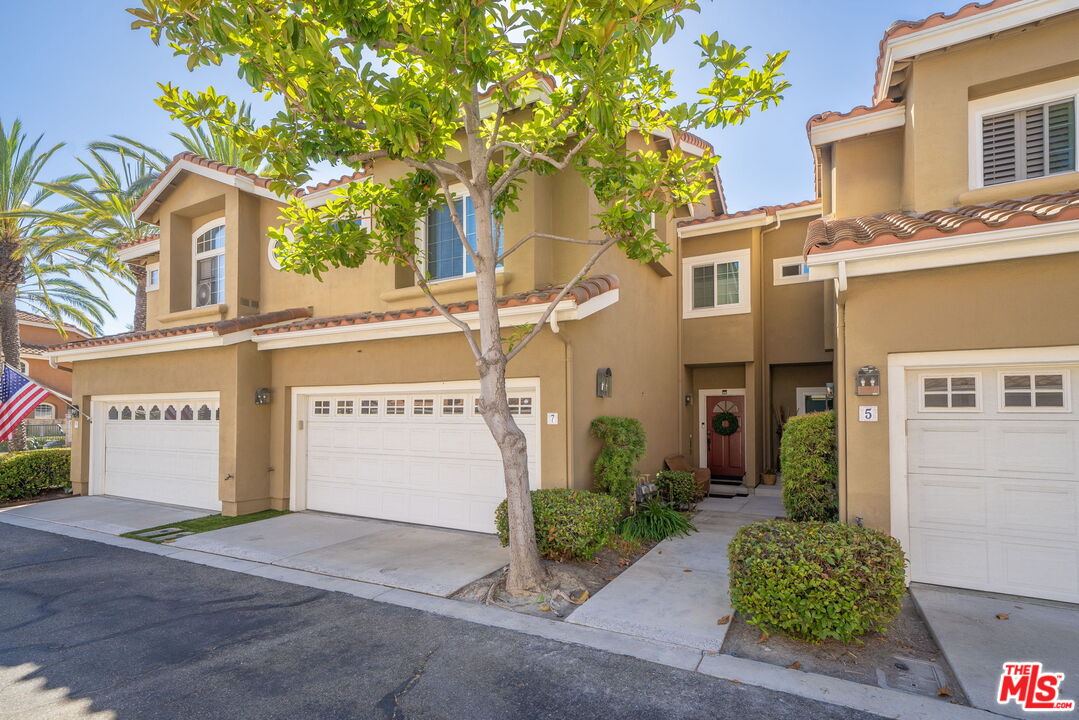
[
  {"x": 32, "y": 472},
  {"x": 570, "y": 524},
  {"x": 678, "y": 488},
  {"x": 816, "y": 581},
  {"x": 615, "y": 470},
  {"x": 808, "y": 457}
]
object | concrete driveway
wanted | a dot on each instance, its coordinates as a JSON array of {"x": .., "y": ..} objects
[
  {"x": 114, "y": 516},
  {"x": 977, "y": 643},
  {"x": 424, "y": 559}
]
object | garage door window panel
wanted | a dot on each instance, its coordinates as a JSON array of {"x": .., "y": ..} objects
[
  {"x": 368, "y": 407},
  {"x": 1034, "y": 392},
  {"x": 453, "y": 406},
  {"x": 943, "y": 393},
  {"x": 345, "y": 407},
  {"x": 423, "y": 406},
  {"x": 395, "y": 407}
]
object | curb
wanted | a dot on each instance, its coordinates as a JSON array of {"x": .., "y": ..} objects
[{"x": 845, "y": 693}]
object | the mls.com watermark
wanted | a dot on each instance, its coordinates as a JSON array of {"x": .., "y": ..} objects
[{"x": 1030, "y": 688}]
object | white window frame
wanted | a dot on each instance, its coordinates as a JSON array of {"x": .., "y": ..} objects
[
  {"x": 151, "y": 283},
  {"x": 1031, "y": 372},
  {"x": 1044, "y": 94},
  {"x": 196, "y": 256},
  {"x": 978, "y": 389},
  {"x": 802, "y": 393},
  {"x": 458, "y": 192},
  {"x": 744, "y": 304},
  {"x": 777, "y": 270},
  {"x": 271, "y": 244},
  {"x": 50, "y": 416},
  {"x": 24, "y": 367}
]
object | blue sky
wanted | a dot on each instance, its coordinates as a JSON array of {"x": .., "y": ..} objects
[{"x": 78, "y": 73}]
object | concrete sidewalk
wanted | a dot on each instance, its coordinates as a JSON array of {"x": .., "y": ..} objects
[
  {"x": 676, "y": 593},
  {"x": 99, "y": 513}
]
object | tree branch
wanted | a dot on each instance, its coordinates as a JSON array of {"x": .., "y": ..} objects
[
  {"x": 442, "y": 309},
  {"x": 538, "y": 327},
  {"x": 540, "y": 235}
]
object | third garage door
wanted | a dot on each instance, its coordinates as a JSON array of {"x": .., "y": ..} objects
[{"x": 418, "y": 453}]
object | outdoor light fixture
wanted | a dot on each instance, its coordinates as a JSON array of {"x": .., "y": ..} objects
[
  {"x": 688, "y": 400},
  {"x": 867, "y": 381},
  {"x": 603, "y": 382},
  {"x": 263, "y": 396}
]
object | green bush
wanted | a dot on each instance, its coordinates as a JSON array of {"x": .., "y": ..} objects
[
  {"x": 655, "y": 520},
  {"x": 615, "y": 470},
  {"x": 570, "y": 524},
  {"x": 32, "y": 472},
  {"x": 808, "y": 458},
  {"x": 816, "y": 581},
  {"x": 677, "y": 487}
]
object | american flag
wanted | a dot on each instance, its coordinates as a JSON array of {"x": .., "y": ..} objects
[{"x": 18, "y": 398}]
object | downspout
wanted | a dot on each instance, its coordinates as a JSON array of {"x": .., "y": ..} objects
[
  {"x": 767, "y": 451},
  {"x": 839, "y": 402},
  {"x": 553, "y": 322}
]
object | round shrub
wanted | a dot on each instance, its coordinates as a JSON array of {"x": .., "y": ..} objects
[
  {"x": 677, "y": 487},
  {"x": 816, "y": 581},
  {"x": 31, "y": 472},
  {"x": 807, "y": 456},
  {"x": 570, "y": 524}
]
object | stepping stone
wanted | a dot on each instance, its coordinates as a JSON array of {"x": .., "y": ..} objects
[
  {"x": 175, "y": 536},
  {"x": 159, "y": 533}
]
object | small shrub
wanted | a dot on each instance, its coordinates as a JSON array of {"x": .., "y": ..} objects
[
  {"x": 32, "y": 472},
  {"x": 808, "y": 458},
  {"x": 615, "y": 470},
  {"x": 816, "y": 581},
  {"x": 677, "y": 487},
  {"x": 655, "y": 520},
  {"x": 570, "y": 524}
]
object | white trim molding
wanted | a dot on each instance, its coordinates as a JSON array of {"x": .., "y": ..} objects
[
  {"x": 189, "y": 341},
  {"x": 142, "y": 249},
  {"x": 760, "y": 218},
  {"x": 744, "y": 304},
  {"x": 871, "y": 122},
  {"x": 898, "y": 366},
  {"x": 1048, "y": 238},
  {"x": 566, "y": 310},
  {"x": 953, "y": 32},
  {"x": 185, "y": 165},
  {"x": 778, "y": 278}
]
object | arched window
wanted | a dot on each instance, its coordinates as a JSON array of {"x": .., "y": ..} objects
[
  {"x": 155, "y": 413},
  {"x": 208, "y": 271},
  {"x": 125, "y": 414},
  {"x": 44, "y": 411},
  {"x": 114, "y": 414},
  {"x": 204, "y": 412},
  {"x": 187, "y": 413},
  {"x": 140, "y": 413}
]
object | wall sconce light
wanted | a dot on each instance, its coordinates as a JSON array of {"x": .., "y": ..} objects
[
  {"x": 603, "y": 383},
  {"x": 688, "y": 400},
  {"x": 263, "y": 396},
  {"x": 867, "y": 381}
]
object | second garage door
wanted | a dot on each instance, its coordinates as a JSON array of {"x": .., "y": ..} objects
[
  {"x": 993, "y": 479},
  {"x": 419, "y": 453}
]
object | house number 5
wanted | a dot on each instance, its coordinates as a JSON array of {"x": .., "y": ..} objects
[{"x": 867, "y": 413}]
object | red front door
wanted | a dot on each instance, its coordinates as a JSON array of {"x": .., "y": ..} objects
[{"x": 726, "y": 453}]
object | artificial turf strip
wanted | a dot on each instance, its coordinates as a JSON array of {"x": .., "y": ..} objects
[{"x": 205, "y": 524}]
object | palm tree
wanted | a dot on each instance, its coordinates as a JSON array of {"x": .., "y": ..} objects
[{"x": 43, "y": 252}]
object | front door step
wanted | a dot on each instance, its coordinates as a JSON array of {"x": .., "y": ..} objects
[{"x": 721, "y": 489}]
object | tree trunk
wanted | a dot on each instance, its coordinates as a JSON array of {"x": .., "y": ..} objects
[
  {"x": 9, "y": 333},
  {"x": 139, "y": 271}
]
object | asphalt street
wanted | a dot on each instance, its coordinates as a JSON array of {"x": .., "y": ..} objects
[{"x": 93, "y": 631}]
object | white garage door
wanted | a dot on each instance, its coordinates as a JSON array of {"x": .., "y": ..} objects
[
  {"x": 993, "y": 479},
  {"x": 418, "y": 453},
  {"x": 158, "y": 449}
]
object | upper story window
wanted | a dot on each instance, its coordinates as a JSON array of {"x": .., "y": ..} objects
[
  {"x": 446, "y": 257},
  {"x": 1024, "y": 134},
  {"x": 789, "y": 270},
  {"x": 44, "y": 411},
  {"x": 153, "y": 276},
  {"x": 209, "y": 264},
  {"x": 24, "y": 367},
  {"x": 716, "y": 284}
]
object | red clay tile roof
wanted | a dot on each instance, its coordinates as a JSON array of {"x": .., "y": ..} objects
[
  {"x": 26, "y": 348},
  {"x": 140, "y": 241},
  {"x": 206, "y": 163},
  {"x": 897, "y": 227},
  {"x": 581, "y": 292},
  {"x": 33, "y": 318},
  {"x": 762, "y": 210},
  {"x": 831, "y": 116},
  {"x": 343, "y": 180},
  {"x": 221, "y": 327},
  {"x": 905, "y": 27}
]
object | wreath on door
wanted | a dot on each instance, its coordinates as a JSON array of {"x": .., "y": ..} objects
[{"x": 725, "y": 423}]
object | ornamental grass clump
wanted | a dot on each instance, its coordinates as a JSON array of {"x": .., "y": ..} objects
[
  {"x": 655, "y": 520},
  {"x": 816, "y": 581}
]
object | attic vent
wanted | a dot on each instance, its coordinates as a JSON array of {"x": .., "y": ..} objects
[{"x": 1028, "y": 143}]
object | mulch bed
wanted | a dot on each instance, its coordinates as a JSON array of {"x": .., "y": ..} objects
[
  {"x": 882, "y": 660},
  {"x": 571, "y": 581},
  {"x": 43, "y": 497}
]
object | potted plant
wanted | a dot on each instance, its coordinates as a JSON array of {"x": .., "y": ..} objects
[{"x": 768, "y": 477}]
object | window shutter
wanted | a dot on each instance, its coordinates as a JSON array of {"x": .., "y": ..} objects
[
  {"x": 1033, "y": 142},
  {"x": 1060, "y": 144},
  {"x": 998, "y": 149}
]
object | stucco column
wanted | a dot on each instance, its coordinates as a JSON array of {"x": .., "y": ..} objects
[{"x": 244, "y": 459}]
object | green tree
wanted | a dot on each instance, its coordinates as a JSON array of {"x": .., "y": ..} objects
[
  {"x": 479, "y": 93},
  {"x": 46, "y": 261}
]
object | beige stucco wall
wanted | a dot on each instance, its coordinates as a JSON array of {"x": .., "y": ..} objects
[{"x": 1009, "y": 304}]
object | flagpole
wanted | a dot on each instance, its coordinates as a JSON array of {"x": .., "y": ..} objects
[{"x": 69, "y": 404}]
